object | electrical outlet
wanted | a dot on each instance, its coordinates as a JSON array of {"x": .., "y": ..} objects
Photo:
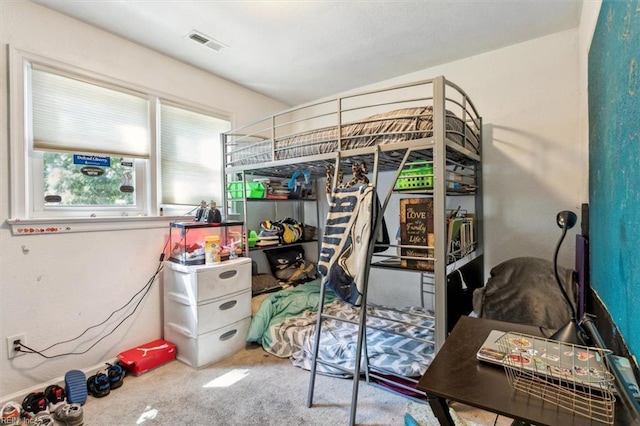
[{"x": 11, "y": 345}]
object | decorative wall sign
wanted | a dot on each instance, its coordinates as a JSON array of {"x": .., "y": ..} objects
[{"x": 416, "y": 229}]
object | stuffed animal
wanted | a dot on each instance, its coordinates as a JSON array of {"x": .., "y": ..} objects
[
  {"x": 359, "y": 174},
  {"x": 330, "y": 172}
]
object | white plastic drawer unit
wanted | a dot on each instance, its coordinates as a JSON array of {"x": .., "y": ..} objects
[
  {"x": 205, "y": 317},
  {"x": 200, "y": 283},
  {"x": 210, "y": 347}
]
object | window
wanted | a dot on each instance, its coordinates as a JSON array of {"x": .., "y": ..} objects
[
  {"x": 190, "y": 155},
  {"x": 84, "y": 145},
  {"x": 88, "y": 142}
]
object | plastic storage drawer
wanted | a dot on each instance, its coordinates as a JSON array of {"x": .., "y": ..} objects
[
  {"x": 200, "y": 283},
  {"x": 208, "y": 316},
  {"x": 210, "y": 347}
]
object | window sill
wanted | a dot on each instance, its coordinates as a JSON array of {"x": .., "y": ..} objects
[{"x": 92, "y": 224}]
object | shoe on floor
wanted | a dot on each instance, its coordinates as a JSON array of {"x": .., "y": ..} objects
[
  {"x": 69, "y": 414},
  {"x": 98, "y": 385},
  {"x": 41, "y": 419},
  {"x": 11, "y": 413},
  {"x": 116, "y": 375},
  {"x": 35, "y": 403},
  {"x": 75, "y": 383},
  {"x": 56, "y": 396}
]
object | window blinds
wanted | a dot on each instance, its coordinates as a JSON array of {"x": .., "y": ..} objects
[
  {"x": 190, "y": 155},
  {"x": 72, "y": 115}
]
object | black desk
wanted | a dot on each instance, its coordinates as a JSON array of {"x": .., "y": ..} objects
[{"x": 455, "y": 374}]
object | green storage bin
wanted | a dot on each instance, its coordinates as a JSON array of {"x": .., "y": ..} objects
[
  {"x": 416, "y": 177},
  {"x": 253, "y": 189}
]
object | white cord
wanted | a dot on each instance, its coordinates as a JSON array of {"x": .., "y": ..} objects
[{"x": 462, "y": 283}]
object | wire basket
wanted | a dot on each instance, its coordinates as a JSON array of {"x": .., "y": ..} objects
[{"x": 570, "y": 376}]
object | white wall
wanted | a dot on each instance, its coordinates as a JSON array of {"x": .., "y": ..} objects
[
  {"x": 55, "y": 286},
  {"x": 588, "y": 21},
  {"x": 533, "y": 150}
]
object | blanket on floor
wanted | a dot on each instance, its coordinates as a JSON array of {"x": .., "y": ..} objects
[
  {"x": 279, "y": 306},
  {"x": 399, "y": 341}
]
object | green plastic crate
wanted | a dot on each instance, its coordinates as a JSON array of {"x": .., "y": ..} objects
[
  {"x": 253, "y": 189},
  {"x": 416, "y": 177}
]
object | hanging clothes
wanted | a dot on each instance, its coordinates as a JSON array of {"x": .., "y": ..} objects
[{"x": 345, "y": 244}]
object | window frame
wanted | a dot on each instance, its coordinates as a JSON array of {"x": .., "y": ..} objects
[{"x": 23, "y": 211}]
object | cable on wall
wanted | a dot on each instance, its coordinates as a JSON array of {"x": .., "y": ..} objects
[{"x": 144, "y": 291}]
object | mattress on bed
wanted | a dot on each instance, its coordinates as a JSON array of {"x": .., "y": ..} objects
[
  {"x": 399, "y": 341},
  {"x": 386, "y": 128},
  {"x": 388, "y": 347}
]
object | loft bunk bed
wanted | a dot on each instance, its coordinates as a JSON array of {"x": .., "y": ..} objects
[
  {"x": 391, "y": 120},
  {"x": 431, "y": 122}
]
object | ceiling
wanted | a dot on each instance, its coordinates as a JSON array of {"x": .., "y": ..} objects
[{"x": 298, "y": 51}]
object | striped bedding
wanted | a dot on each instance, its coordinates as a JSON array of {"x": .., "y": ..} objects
[
  {"x": 386, "y": 128},
  {"x": 399, "y": 341}
]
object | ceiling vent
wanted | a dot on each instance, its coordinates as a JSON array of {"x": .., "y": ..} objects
[{"x": 207, "y": 41}]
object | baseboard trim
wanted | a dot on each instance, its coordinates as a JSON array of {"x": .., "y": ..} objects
[{"x": 20, "y": 396}]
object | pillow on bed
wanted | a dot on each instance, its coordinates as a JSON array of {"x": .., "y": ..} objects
[
  {"x": 524, "y": 290},
  {"x": 284, "y": 257},
  {"x": 264, "y": 283},
  {"x": 289, "y": 266}
]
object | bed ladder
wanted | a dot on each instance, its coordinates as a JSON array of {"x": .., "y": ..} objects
[
  {"x": 361, "y": 347},
  {"x": 360, "y": 323}
]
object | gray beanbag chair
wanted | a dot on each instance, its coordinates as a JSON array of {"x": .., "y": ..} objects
[{"x": 524, "y": 290}]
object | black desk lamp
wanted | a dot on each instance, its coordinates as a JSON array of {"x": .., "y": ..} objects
[{"x": 571, "y": 332}]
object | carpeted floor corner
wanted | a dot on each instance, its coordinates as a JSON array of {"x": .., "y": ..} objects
[
  {"x": 249, "y": 388},
  {"x": 252, "y": 387}
]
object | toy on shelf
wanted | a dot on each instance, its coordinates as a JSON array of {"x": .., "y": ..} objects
[{"x": 208, "y": 214}]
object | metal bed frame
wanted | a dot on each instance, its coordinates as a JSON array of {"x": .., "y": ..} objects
[{"x": 448, "y": 157}]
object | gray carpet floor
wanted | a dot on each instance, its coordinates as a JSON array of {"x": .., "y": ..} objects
[{"x": 250, "y": 388}]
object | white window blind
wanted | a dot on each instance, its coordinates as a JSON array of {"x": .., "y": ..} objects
[
  {"x": 70, "y": 115},
  {"x": 190, "y": 155}
]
